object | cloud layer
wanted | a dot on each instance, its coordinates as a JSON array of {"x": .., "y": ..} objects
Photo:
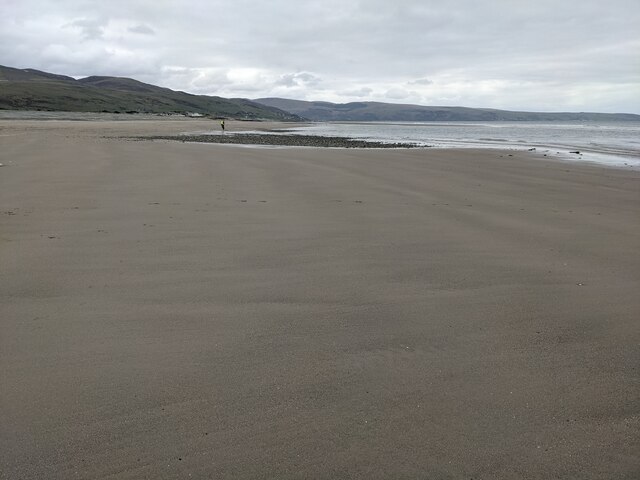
[{"x": 578, "y": 55}]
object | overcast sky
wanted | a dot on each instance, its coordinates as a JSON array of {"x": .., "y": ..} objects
[{"x": 560, "y": 55}]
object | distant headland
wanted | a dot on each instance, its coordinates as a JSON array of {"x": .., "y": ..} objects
[{"x": 30, "y": 89}]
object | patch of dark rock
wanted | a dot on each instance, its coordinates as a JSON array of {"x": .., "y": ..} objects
[{"x": 281, "y": 140}]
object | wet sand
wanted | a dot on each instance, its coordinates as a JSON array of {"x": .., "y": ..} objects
[{"x": 177, "y": 310}]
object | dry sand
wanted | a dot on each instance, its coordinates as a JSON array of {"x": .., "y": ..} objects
[{"x": 175, "y": 310}]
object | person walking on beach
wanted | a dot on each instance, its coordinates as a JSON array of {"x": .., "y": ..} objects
[{"x": 222, "y": 125}]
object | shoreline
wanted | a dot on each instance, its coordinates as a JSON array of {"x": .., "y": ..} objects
[
  {"x": 175, "y": 129},
  {"x": 623, "y": 160},
  {"x": 278, "y": 139},
  {"x": 611, "y": 155}
]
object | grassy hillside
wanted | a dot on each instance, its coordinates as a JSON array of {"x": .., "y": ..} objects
[
  {"x": 34, "y": 90},
  {"x": 377, "y": 111}
]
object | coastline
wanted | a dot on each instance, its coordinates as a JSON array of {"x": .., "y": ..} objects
[
  {"x": 168, "y": 309},
  {"x": 613, "y": 144},
  {"x": 624, "y": 156}
]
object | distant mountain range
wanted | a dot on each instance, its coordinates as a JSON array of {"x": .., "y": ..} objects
[
  {"x": 30, "y": 89},
  {"x": 377, "y": 111}
]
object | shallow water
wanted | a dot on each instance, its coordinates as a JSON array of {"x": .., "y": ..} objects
[
  {"x": 611, "y": 143},
  {"x": 614, "y": 143}
]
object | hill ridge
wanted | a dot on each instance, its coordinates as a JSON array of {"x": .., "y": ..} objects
[
  {"x": 381, "y": 111},
  {"x": 31, "y": 89}
]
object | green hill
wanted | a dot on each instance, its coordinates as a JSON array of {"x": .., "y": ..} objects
[
  {"x": 30, "y": 89},
  {"x": 391, "y": 112}
]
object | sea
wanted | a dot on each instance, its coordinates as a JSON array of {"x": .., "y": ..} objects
[{"x": 615, "y": 143}]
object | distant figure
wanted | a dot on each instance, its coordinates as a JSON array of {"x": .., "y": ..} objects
[{"x": 222, "y": 125}]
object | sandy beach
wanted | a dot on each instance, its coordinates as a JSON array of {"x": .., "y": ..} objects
[{"x": 183, "y": 310}]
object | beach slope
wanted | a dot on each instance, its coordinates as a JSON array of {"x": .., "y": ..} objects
[{"x": 189, "y": 310}]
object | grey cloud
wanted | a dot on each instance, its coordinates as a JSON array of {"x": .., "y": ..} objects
[
  {"x": 297, "y": 80},
  {"x": 142, "y": 29},
  {"x": 357, "y": 93},
  {"x": 576, "y": 54},
  {"x": 420, "y": 81},
  {"x": 90, "y": 28},
  {"x": 401, "y": 94}
]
